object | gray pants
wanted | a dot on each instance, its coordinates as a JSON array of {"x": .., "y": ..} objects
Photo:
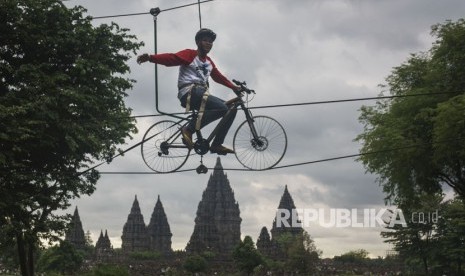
[{"x": 214, "y": 109}]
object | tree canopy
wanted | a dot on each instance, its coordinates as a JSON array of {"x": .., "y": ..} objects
[
  {"x": 246, "y": 256},
  {"x": 62, "y": 89},
  {"x": 353, "y": 256},
  {"x": 417, "y": 143},
  {"x": 63, "y": 258},
  {"x": 433, "y": 239}
]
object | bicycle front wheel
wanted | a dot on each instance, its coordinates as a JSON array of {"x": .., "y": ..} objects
[
  {"x": 162, "y": 148},
  {"x": 266, "y": 151}
]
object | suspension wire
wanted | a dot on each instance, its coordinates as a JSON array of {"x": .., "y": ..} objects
[
  {"x": 315, "y": 103},
  {"x": 200, "y": 14},
  {"x": 270, "y": 106},
  {"x": 292, "y": 104},
  {"x": 124, "y": 151},
  {"x": 257, "y": 107},
  {"x": 353, "y": 100},
  {"x": 300, "y": 163},
  {"x": 145, "y": 13},
  {"x": 273, "y": 168}
]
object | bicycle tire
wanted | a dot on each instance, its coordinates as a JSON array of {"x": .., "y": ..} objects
[
  {"x": 273, "y": 148},
  {"x": 152, "y": 154}
]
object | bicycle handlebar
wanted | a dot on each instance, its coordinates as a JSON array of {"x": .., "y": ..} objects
[{"x": 243, "y": 87}]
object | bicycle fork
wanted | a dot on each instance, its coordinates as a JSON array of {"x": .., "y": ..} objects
[{"x": 256, "y": 141}]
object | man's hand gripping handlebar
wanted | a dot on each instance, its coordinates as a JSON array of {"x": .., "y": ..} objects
[
  {"x": 243, "y": 87},
  {"x": 240, "y": 92}
]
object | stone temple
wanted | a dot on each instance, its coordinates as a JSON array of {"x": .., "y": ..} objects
[
  {"x": 286, "y": 203},
  {"x": 217, "y": 225},
  {"x": 218, "y": 222},
  {"x": 154, "y": 237},
  {"x": 269, "y": 245},
  {"x": 134, "y": 236},
  {"x": 158, "y": 230},
  {"x": 103, "y": 243},
  {"x": 75, "y": 233}
]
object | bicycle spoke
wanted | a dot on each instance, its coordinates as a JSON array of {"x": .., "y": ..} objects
[
  {"x": 267, "y": 151},
  {"x": 157, "y": 151}
]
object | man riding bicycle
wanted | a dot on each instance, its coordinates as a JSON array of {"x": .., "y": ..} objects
[{"x": 195, "y": 68}]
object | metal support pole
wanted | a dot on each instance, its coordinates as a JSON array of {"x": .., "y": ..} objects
[
  {"x": 200, "y": 14},
  {"x": 155, "y": 12}
]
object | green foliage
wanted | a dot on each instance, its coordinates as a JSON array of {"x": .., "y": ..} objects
[
  {"x": 62, "y": 90},
  {"x": 303, "y": 254},
  {"x": 195, "y": 264},
  {"x": 108, "y": 270},
  {"x": 208, "y": 255},
  {"x": 354, "y": 256},
  {"x": 427, "y": 131},
  {"x": 145, "y": 255},
  {"x": 435, "y": 243},
  {"x": 247, "y": 256},
  {"x": 300, "y": 254},
  {"x": 450, "y": 237},
  {"x": 60, "y": 259},
  {"x": 415, "y": 242},
  {"x": 9, "y": 255}
]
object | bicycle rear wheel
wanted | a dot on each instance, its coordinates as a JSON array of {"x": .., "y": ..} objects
[
  {"x": 162, "y": 149},
  {"x": 265, "y": 152}
]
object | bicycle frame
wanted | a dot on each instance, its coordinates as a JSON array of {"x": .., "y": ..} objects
[
  {"x": 234, "y": 105},
  {"x": 259, "y": 142}
]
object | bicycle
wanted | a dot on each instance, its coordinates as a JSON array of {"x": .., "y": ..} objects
[{"x": 259, "y": 142}]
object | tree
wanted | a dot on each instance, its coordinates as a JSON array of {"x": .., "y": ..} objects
[
  {"x": 247, "y": 256},
  {"x": 8, "y": 252},
  {"x": 415, "y": 241},
  {"x": 450, "y": 236},
  {"x": 62, "y": 90},
  {"x": 354, "y": 256},
  {"x": 62, "y": 258},
  {"x": 195, "y": 264},
  {"x": 108, "y": 270},
  {"x": 302, "y": 254},
  {"x": 416, "y": 143},
  {"x": 298, "y": 252},
  {"x": 433, "y": 240}
]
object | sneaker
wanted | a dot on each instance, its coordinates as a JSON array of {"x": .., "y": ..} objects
[
  {"x": 187, "y": 137},
  {"x": 221, "y": 150}
]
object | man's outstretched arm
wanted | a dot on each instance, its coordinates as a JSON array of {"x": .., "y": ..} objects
[{"x": 168, "y": 59}]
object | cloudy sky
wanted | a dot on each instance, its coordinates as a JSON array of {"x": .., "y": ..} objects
[{"x": 289, "y": 52}]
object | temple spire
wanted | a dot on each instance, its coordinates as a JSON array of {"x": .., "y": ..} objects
[
  {"x": 286, "y": 201},
  {"x": 217, "y": 224},
  {"x": 264, "y": 242},
  {"x": 159, "y": 230},
  {"x": 75, "y": 234},
  {"x": 134, "y": 236},
  {"x": 286, "y": 204},
  {"x": 103, "y": 244}
]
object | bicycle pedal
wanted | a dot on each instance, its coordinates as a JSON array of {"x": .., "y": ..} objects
[{"x": 202, "y": 169}]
